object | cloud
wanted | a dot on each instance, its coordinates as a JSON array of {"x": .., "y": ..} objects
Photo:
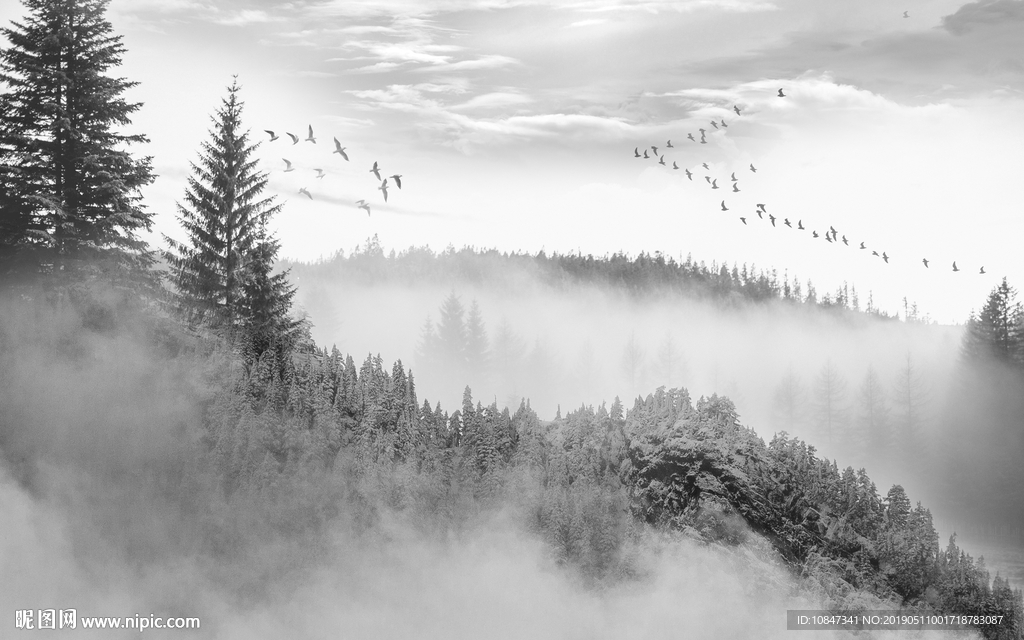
[
  {"x": 986, "y": 13},
  {"x": 493, "y": 100}
]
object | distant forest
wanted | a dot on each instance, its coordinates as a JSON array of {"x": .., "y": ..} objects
[
  {"x": 282, "y": 439},
  {"x": 644, "y": 274}
]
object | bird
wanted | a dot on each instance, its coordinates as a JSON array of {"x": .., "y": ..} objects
[
  {"x": 363, "y": 204},
  {"x": 690, "y": 136},
  {"x": 674, "y": 165},
  {"x": 752, "y": 169},
  {"x": 906, "y": 14},
  {"x": 708, "y": 178},
  {"x": 734, "y": 178},
  {"x": 814, "y": 233},
  {"x": 736, "y": 109},
  {"x": 289, "y": 167},
  {"x": 828, "y": 237},
  {"x": 874, "y": 253},
  {"x": 702, "y": 140},
  {"x": 310, "y": 137},
  {"x": 398, "y": 180},
  {"x": 688, "y": 174},
  {"x": 669, "y": 145},
  {"x": 955, "y": 268},
  {"x": 384, "y": 187},
  {"x": 982, "y": 272},
  {"x": 340, "y": 149},
  {"x": 375, "y": 170},
  {"x": 781, "y": 95},
  {"x": 303, "y": 191},
  {"x": 762, "y": 208},
  {"x": 785, "y": 221},
  {"x": 295, "y": 138},
  {"x": 655, "y": 149},
  {"x": 636, "y": 152},
  {"x": 759, "y": 214},
  {"x": 885, "y": 257},
  {"x": 862, "y": 246},
  {"x": 645, "y": 154},
  {"x": 723, "y": 123},
  {"x": 661, "y": 160},
  {"x": 714, "y": 124},
  {"x": 705, "y": 165},
  {"x": 319, "y": 173},
  {"x": 701, "y": 131},
  {"x": 800, "y": 225},
  {"x": 744, "y": 220},
  {"x": 724, "y": 208},
  {"x": 772, "y": 218},
  {"x": 735, "y": 187},
  {"x": 845, "y": 241},
  {"x": 714, "y": 183},
  {"x": 273, "y": 136},
  {"x": 925, "y": 261}
]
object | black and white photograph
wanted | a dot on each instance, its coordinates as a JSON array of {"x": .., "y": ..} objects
[{"x": 512, "y": 319}]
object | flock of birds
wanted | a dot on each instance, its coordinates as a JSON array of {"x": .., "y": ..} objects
[
  {"x": 340, "y": 150},
  {"x": 831, "y": 235}
]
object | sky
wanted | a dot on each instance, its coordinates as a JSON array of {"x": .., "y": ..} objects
[{"x": 513, "y": 125}]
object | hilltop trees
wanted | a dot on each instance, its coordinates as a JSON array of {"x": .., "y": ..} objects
[
  {"x": 69, "y": 193},
  {"x": 997, "y": 333},
  {"x": 223, "y": 271}
]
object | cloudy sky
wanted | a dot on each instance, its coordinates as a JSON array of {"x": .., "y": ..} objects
[{"x": 514, "y": 123}]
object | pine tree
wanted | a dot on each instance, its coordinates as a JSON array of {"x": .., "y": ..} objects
[
  {"x": 477, "y": 356},
  {"x": 997, "y": 333},
  {"x": 451, "y": 338},
  {"x": 69, "y": 192},
  {"x": 910, "y": 398},
  {"x": 830, "y": 403},
  {"x": 875, "y": 428},
  {"x": 222, "y": 273},
  {"x": 670, "y": 364}
]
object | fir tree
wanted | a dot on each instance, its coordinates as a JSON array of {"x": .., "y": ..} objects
[
  {"x": 69, "y": 192},
  {"x": 225, "y": 218},
  {"x": 476, "y": 350},
  {"x": 830, "y": 403}
]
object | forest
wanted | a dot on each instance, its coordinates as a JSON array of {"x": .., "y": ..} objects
[{"x": 173, "y": 436}]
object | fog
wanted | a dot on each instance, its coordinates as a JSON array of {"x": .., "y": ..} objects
[{"x": 105, "y": 511}]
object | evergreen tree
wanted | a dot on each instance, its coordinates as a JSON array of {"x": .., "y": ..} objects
[
  {"x": 633, "y": 361},
  {"x": 670, "y": 365},
  {"x": 788, "y": 403},
  {"x": 225, "y": 218},
  {"x": 910, "y": 398},
  {"x": 477, "y": 356},
  {"x": 451, "y": 337},
  {"x": 997, "y": 333},
  {"x": 69, "y": 192},
  {"x": 830, "y": 403},
  {"x": 875, "y": 431}
]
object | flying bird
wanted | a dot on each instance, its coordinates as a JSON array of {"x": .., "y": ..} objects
[
  {"x": 376, "y": 170},
  {"x": 885, "y": 257},
  {"x": 669, "y": 145},
  {"x": 688, "y": 174},
  {"x": 744, "y": 220},
  {"x": 759, "y": 214},
  {"x": 645, "y": 154},
  {"x": 734, "y": 178},
  {"x": 982, "y": 272},
  {"x": 303, "y": 191},
  {"x": 363, "y": 204},
  {"x": 702, "y": 140},
  {"x": 289, "y": 167},
  {"x": 762, "y": 208},
  {"x": 273, "y": 136},
  {"x": 800, "y": 225},
  {"x": 636, "y": 152},
  {"x": 736, "y": 109},
  {"x": 814, "y": 233},
  {"x": 735, "y": 187},
  {"x": 714, "y": 124},
  {"x": 845, "y": 241},
  {"x": 724, "y": 208},
  {"x": 705, "y": 165},
  {"x": 874, "y": 253},
  {"x": 310, "y": 137},
  {"x": 906, "y": 14},
  {"x": 781, "y": 95},
  {"x": 320, "y": 173},
  {"x": 384, "y": 187},
  {"x": 955, "y": 268},
  {"x": 772, "y": 218},
  {"x": 340, "y": 149},
  {"x": 708, "y": 178},
  {"x": 655, "y": 149},
  {"x": 295, "y": 138},
  {"x": 925, "y": 261},
  {"x": 862, "y": 246},
  {"x": 690, "y": 136},
  {"x": 723, "y": 123},
  {"x": 674, "y": 165},
  {"x": 828, "y": 237},
  {"x": 398, "y": 180},
  {"x": 752, "y": 168},
  {"x": 661, "y": 160},
  {"x": 714, "y": 183},
  {"x": 785, "y": 221}
]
